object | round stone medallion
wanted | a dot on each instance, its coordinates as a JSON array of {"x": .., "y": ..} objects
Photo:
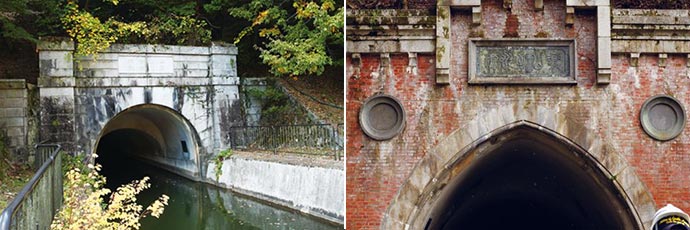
[
  {"x": 662, "y": 117},
  {"x": 382, "y": 117}
]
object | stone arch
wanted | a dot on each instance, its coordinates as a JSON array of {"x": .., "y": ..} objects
[
  {"x": 153, "y": 133},
  {"x": 436, "y": 178}
]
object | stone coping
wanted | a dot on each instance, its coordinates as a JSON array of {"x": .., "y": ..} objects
[
  {"x": 66, "y": 44},
  {"x": 390, "y": 17},
  {"x": 12, "y": 83},
  {"x": 290, "y": 159}
]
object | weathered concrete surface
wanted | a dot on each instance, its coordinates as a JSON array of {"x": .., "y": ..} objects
[
  {"x": 252, "y": 107},
  {"x": 192, "y": 91},
  {"x": 17, "y": 120},
  {"x": 313, "y": 186},
  {"x": 650, "y": 31},
  {"x": 387, "y": 180}
]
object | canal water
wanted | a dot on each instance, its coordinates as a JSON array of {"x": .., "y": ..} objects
[{"x": 194, "y": 205}]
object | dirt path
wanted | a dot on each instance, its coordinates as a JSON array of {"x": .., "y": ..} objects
[{"x": 13, "y": 182}]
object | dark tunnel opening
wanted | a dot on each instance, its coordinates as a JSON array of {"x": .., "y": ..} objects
[
  {"x": 154, "y": 135},
  {"x": 527, "y": 184},
  {"x": 116, "y": 154}
]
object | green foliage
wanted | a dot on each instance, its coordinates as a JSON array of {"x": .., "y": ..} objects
[
  {"x": 9, "y": 11},
  {"x": 183, "y": 30},
  {"x": 92, "y": 35},
  {"x": 4, "y": 155},
  {"x": 298, "y": 35},
  {"x": 70, "y": 161},
  {"x": 97, "y": 24},
  {"x": 13, "y": 182},
  {"x": 12, "y": 31},
  {"x": 166, "y": 23},
  {"x": 218, "y": 161},
  {"x": 276, "y": 106},
  {"x": 293, "y": 38},
  {"x": 27, "y": 19},
  {"x": 85, "y": 207}
]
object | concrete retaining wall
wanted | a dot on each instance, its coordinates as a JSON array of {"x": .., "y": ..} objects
[
  {"x": 14, "y": 118},
  {"x": 315, "y": 190}
]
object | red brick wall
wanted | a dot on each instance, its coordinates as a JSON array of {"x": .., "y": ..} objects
[
  {"x": 377, "y": 169},
  {"x": 662, "y": 166}
]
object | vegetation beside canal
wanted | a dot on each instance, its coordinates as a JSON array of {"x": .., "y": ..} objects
[
  {"x": 13, "y": 180},
  {"x": 12, "y": 176},
  {"x": 225, "y": 154},
  {"x": 85, "y": 206}
]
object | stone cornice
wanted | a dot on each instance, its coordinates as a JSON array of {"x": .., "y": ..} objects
[{"x": 654, "y": 31}]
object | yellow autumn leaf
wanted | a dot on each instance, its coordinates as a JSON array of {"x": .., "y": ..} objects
[{"x": 260, "y": 18}]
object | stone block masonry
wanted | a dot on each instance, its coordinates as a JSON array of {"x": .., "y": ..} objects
[
  {"x": 194, "y": 88},
  {"x": 14, "y": 118}
]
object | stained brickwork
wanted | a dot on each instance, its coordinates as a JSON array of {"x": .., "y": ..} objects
[
  {"x": 662, "y": 166},
  {"x": 601, "y": 118}
]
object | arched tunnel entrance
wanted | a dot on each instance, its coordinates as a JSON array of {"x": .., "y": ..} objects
[
  {"x": 526, "y": 179},
  {"x": 141, "y": 140},
  {"x": 152, "y": 133}
]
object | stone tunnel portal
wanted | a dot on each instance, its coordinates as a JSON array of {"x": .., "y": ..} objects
[
  {"x": 152, "y": 133},
  {"x": 527, "y": 180}
]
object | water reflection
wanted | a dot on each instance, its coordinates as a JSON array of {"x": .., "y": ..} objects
[{"x": 200, "y": 206}]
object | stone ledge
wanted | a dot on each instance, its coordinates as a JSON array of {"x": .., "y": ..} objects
[
  {"x": 12, "y": 83},
  {"x": 391, "y": 31},
  {"x": 66, "y": 44},
  {"x": 55, "y": 44},
  {"x": 460, "y": 3},
  {"x": 392, "y": 46},
  {"x": 650, "y": 46},
  {"x": 373, "y": 32},
  {"x": 650, "y": 13},
  {"x": 587, "y": 3},
  {"x": 390, "y": 17},
  {"x": 650, "y": 31},
  {"x": 133, "y": 81}
]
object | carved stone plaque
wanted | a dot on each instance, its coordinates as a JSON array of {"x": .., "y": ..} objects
[{"x": 522, "y": 61}]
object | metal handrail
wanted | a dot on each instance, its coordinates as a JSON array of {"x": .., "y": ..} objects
[
  {"x": 8, "y": 215},
  {"x": 301, "y": 139}
]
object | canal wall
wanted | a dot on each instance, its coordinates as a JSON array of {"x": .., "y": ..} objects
[
  {"x": 313, "y": 186},
  {"x": 259, "y": 215}
]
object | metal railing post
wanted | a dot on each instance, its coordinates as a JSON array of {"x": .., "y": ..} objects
[{"x": 315, "y": 139}]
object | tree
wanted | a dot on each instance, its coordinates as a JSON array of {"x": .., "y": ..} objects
[
  {"x": 292, "y": 37},
  {"x": 94, "y": 25},
  {"x": 25, "y": 20},
  {"x": 301, "y": 38},
  {"x": 173, "y": 25}
]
